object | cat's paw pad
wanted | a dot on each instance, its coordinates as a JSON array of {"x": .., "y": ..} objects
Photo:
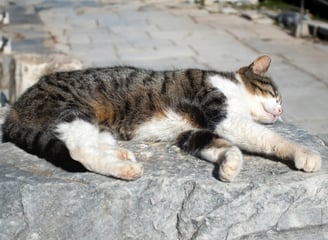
[
  {"x": 307, "y": 160},
  {"x": 230, "y": 165},
  {"x": 130, "y": 171},
  {"x": 119, "y": 153}
]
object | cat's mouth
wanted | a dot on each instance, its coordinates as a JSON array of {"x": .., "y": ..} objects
[{"x": 272, "y": 115}]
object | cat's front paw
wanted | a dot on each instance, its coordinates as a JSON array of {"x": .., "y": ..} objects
[
  {"x": 130, "y": 171},
  {"x": 307, "y": 160},
  {"x": 118, "y": 162},
  {"x": 230, "y": 165},
  {"x": 128, "y": 168}
]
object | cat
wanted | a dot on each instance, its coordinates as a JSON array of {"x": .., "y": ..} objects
[{"x": 75, "y": 118}]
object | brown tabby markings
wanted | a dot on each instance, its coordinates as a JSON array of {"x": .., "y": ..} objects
[
  {"x": 103, "y": 111},
  {"x": 13, "y": 115},
  {"x": 257, "y": 84}
]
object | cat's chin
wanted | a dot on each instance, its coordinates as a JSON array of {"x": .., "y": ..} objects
[
  {"x": 268, "y": 119},
  {"x": 265, "y": 118}
]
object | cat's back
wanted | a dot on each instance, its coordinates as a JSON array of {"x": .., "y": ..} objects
[{"x": 67, "y": 86}]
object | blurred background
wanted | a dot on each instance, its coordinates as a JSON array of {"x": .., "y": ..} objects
[{"x": 40, "y": 36}]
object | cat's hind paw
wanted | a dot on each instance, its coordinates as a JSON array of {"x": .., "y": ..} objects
[
  {"x": 307, "y": 160},
  {"x": 230, "y": 165}
]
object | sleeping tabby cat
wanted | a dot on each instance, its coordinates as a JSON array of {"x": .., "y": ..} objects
[{"x": 73, "y": 119}]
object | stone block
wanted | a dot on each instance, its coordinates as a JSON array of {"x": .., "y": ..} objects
[
  {"x": 28, "y": 68},
  {"x": 5, "y": 71},
  {"x": 177, "y": 198},
  {"x": 301, "y": 30},
  {"x": 5, "y": 18}
]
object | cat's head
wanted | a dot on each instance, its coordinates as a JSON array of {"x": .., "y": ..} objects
[{"x": 264, "y": 99}]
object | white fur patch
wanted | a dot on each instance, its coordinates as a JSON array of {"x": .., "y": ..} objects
[
  {"x": 84, "y": 141},
  {"x": 213, "y": 154},
  {"x": 235, "y": 93},
  {"x": 78, "y": 134},
  {"x": 164, "y": 128}
]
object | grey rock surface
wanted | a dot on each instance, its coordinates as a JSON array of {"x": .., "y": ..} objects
[{"x": 179, "y": 197}]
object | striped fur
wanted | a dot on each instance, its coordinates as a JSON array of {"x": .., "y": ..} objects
[{"x": 73, "y": 118}]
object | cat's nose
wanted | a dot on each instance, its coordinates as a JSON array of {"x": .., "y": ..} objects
[{"x": 279, "y": 111}]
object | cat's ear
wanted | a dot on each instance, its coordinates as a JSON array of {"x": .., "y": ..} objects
[{"x": 261, "y": 65}]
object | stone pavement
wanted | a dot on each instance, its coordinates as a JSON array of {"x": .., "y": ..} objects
[{"x": 165, "y": 34}]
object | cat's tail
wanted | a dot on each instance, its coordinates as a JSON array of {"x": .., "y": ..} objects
[{"x": 39, "y": 141}]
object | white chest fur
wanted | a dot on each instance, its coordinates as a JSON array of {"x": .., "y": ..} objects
[{"x": 163, "y": 128}]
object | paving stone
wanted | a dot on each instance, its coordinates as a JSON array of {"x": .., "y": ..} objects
[
  {"x": 58, "y": 33},
  {"x": 23, "y": 14},
  {"x": 129, "y": 32},
  {"x": 78, "y": 36},
  {"x": 30, "y": 45},
  {"x": 324, "y": 138},
  {"x": 26, "y": 31},
  {"x": 101, "y": 36},
  {"x": 95, "y": 55},
  {"x": 78, "y": 21},
  {"x": 321, "y": 46},
  {"x": 150, "y": 53},
  {"x": 173, "y": 35},
  {"x": 133, "y": 54},
  {"x": 106, "y": 20},
  {"x": 318, "y": 127},
  {"x": 173, "y": 23},
  {"x": 62, "y": 48},
  {"x": 152, "y": 43}
]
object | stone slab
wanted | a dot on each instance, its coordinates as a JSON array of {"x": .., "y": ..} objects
[
  {"x": 178, "y": 197},
  {"x": 23, "y": 14},
  {"x": 324, "y": 138}
]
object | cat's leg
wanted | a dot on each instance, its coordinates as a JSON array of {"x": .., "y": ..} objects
[
  {"x": 209, "y": 146},
  {"x": 256, "y": 138},
  {"x": 97, "y": 151}
]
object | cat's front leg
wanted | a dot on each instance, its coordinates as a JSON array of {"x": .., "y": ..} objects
[
  {"x": 209, "y": 146},
  {"x": 256, "y": 138}
]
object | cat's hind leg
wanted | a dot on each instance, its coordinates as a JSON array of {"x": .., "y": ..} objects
[
  {"x": 209, "y": 146},
  {"x": 97, "y": 151}
]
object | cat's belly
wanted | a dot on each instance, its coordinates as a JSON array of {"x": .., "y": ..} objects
[{"x": 164, "y": 127}]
